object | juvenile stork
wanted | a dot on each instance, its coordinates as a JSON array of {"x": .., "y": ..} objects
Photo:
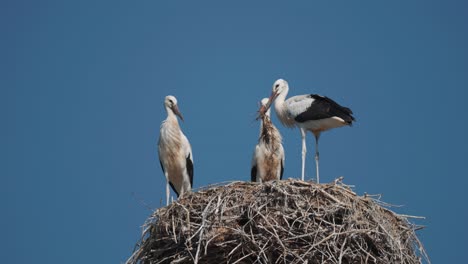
[
  {"x": 310, "y": 112},
  {"x": 268, "y": 158},
  {"x": 175, "y": 153}
]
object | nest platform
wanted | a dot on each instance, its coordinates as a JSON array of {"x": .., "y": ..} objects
[{"x": 288, "y": 221}]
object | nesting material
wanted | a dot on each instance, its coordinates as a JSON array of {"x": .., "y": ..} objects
[{"x": 287, "y": 221}]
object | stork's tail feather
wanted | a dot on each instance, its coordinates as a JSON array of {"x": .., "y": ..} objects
[{"x": 348, "y": 116}]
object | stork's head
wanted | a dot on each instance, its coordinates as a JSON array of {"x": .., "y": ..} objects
[
  {"x": 170, "y": 102},
  {"x": 279, "y": 87}
]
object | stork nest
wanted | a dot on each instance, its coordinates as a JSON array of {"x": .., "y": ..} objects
[{"x": 287, "y": 221}]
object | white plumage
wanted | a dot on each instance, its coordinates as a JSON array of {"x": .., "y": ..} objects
[
  {"x": 175, "y": 152},
  {"x": 268, "y": 158},
  {"x": 309, "y": 112}
]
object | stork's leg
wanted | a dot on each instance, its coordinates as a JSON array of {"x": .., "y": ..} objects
[
  {"x": 317, "y": 156},
  {"x": 167, "y": 192},
  {"x": 304, "y": 151}
]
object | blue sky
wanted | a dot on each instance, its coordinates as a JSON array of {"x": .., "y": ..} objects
[{"x": 82, "y": 90}]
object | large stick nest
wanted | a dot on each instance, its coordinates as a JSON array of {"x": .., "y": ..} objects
[{"x": 287, "y": 221}]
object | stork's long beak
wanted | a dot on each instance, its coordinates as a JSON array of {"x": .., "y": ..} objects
[
  {"x": 264, "y": 108},
  {"x": 177, "y": 112}
]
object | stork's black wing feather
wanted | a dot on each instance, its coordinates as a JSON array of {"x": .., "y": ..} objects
[
  {"x": 253, "y": 174},
  {"x": 162, "y": 167},
  {"x": 282, "y": 170},
  {"x": 190, "y": 169},
  {"x": 174, "y": 189},
  {"x": 323, "y": 107}
]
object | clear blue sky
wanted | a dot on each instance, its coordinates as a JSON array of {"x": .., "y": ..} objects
[{"x": 82, "y": 88}]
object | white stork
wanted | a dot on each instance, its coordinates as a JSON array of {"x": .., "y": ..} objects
[
  {"x": 175, "y": 153},
  {"x": 268, "y": 158},
  {"x": 310, "y": 112}
]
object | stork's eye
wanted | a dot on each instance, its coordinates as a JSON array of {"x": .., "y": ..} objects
[{"x": 276, "y": 86}]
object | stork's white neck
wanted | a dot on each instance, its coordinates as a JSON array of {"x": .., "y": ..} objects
[
  {"x": 170, "y": 114},
  {"x": 171, "y": 123},
  {"x": 170, "y": 131},
  {"x": 267, "y": 116},
  {"x": 281, "y": 110}
]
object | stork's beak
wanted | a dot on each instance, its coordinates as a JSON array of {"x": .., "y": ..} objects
[
  {"x": 264, "y": 108},
  {"x": 177, "y": 112}
]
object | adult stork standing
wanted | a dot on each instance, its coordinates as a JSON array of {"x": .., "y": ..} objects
[
  {"x": 175, "y": 152},
  {"x": 268, "y": 158},
  {"x": 310, "y": 112}
]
